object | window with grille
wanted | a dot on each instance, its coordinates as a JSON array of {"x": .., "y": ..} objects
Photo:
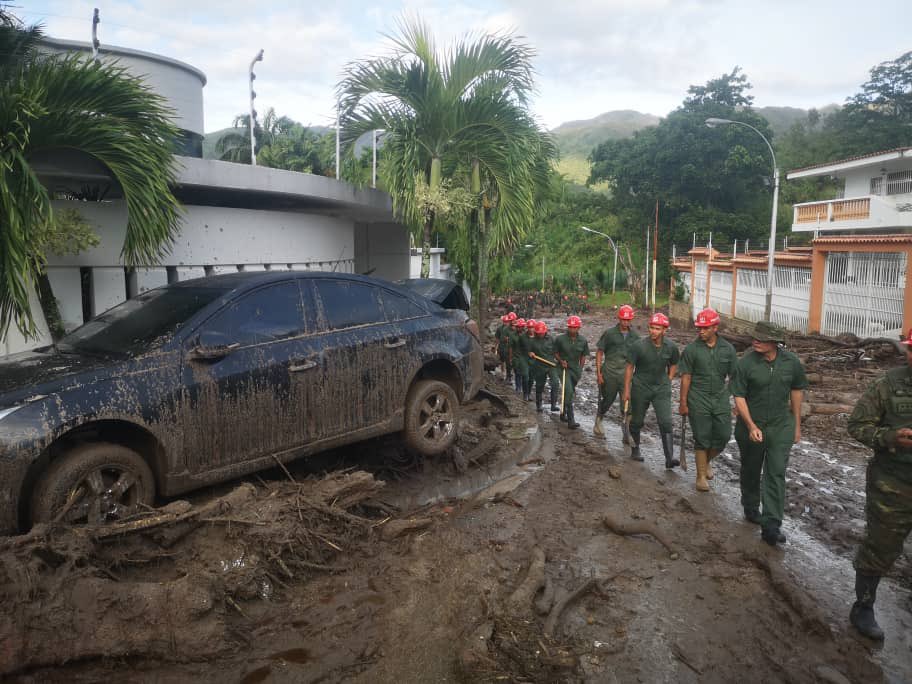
[
  {"x": 877, "y": 185},
  {"x": 899, "y": 182}
]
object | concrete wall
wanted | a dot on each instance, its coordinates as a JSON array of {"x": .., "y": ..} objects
[{"x": 382, "y": 249}]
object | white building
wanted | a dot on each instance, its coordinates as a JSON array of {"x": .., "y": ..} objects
[{"x": 236, "y": 217}]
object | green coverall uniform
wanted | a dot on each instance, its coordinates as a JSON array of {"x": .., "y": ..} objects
[
  {"x": 766, "y": 387},
  {"x": 709, "y": 398},
  {"x": 503, "y": 341},
  {"x": 614, "y": 345},
  {"x": 520, "y": 345},
  {"x": 543, "y": 346},
  {"x": 885, "y": 408},
  {"x": 650, "y": 383},
  {"x": 571, "y": 351}
]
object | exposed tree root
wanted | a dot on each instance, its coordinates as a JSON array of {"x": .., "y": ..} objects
[
  {"x": 626, "y": 529},
  {"x": 787, "y": 588},
  {"x": 522, "y": 597},
  {"x": 561, "y": 604}
]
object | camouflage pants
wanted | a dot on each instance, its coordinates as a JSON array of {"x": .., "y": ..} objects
[{"x": 888, "y": 510}]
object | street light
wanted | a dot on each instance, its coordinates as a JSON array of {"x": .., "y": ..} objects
[
  {"x": 258, "y": 58},
  {"x": 614, "y": 247},
  {"x": 374, "y": 167},
  {"x": 771, "y": 257}
]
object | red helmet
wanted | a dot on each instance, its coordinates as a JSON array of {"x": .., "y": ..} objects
[
  {"x": 531, "y": 323},
  {"x": 707, "y": 318},
  {"x": 908, "y": 340},
  {"x": 520, "y": 322},
  {"x": 574, "y": 322},
  {"x": 659, "y": 319},
  {"x": 541, "y": 328},
  {"x": 511, "y": 316},
  {"x": 625, "y": 313},
  {"x": 505, "y": 318}
]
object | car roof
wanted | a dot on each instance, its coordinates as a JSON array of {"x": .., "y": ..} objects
[{"x": 243, "y": 280}]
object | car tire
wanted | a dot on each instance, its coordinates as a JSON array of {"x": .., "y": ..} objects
[
  {"x": 430, "y": 417},
  {"x": 107, "y": 482}
]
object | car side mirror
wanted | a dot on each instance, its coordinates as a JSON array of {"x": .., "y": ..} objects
[{"x": 211, "y": 346}]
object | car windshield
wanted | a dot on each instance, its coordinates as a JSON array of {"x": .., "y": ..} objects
[{"x": 141, "y": 323}]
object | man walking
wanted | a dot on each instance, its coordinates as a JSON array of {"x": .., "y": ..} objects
[
  {"x": 768, "y": 386},
  {"x": 651, "y": 365},
  {"x": 882, "y": 420},
  {"x": 519, "y": 348},
  {"x": 707, "y": 366},
  {"x": 502, "y": 335},
  {"x": 571, "y": 351},
  {"x": 542, "y": 346},
  {"x": 610, "y": 362}
]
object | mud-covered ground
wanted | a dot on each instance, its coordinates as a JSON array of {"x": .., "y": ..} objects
[{"x": 399, "y": 570}]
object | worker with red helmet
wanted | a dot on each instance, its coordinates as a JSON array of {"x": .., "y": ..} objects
[
  {"x": 541, "y": 354},
  {"x": 651, "y": 365},
  {"x": 571, "y": 351},
  {"x": 611, "y": 360},
  {"x": 707, "y": 366},
  {"x": 519, "y": 344},
  {"x": 502, "y": 344}
]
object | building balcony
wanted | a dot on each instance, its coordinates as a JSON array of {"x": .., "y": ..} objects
[{"x": 858, "y": 213}]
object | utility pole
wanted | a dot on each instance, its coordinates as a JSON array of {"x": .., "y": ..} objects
[
  {"x": 337, "y": 141},
  {"x": 253, "y": 112},
  {"x": 95, "y": 42},
  {"x": 655, "y": 257},
  {"x": 646, "y": 300}
]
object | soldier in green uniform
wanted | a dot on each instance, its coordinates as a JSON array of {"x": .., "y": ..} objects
[
  {"x": 542, "y": 346},
  {"x": 519, "y": 344},
  {"x": 611, "y": 360},
  {"x": 768, "y": 386},
  {"x": 882, "y": 420},
  {"x": 502, "y": 335},
  {"x": 707, "y": 365},
  {"x": 571, "y": 351},
  {"x": 651, "y": 365}
]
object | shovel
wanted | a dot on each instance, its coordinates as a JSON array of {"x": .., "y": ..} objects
[
  {"x": 683, "y": 435},
  {"x": 625, "y": 423},
  {"x": 563, "y": 389}
]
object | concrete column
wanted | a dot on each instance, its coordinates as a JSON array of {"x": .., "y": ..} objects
[
  {"x": 907, "y": 297},
  {"x": 109, "y": 288},
  {"x": 815, "y": 306},
  {"x": 150, "y": 278},
  {"x": 190, "y": 272},
  {"x": 66, "y": 284},
  {"x": 734, "y": 288}
]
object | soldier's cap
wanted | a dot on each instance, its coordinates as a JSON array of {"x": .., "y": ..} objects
[{"x": 765, "y": 331}]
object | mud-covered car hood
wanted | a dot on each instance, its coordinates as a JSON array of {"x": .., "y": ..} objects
[
  {"x": 446, "y": 293},
  {"x": 42, "y": 370}
]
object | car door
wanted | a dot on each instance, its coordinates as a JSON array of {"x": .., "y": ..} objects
[
  {"x": 364, "y": 356},
  {"x": 242, "y": 370}
]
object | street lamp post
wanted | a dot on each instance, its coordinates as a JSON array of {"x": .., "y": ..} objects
[
  {"x": 771, "y": 249},
  {"x": 258, "y": 58},
  {"x": 614, "y": 247}
]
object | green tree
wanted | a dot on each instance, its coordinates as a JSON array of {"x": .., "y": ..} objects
[
  {"x": 56, "y": 102},
  {"x": 456, "y": 143}
]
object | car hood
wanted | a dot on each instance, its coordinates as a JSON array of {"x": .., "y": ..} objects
[
  {"x": 446, "y": 293},
  {"x": 41, "y": 371}
]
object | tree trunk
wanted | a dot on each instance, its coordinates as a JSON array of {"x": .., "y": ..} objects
[
  {"x": 481, "y": 299},
  {"x": 433, "y": 184}
]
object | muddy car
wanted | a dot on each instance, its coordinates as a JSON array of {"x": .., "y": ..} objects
[{"x": 204, "y": 380}]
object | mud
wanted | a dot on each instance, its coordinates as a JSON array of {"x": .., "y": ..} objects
[{"x": 432, "y": 602}]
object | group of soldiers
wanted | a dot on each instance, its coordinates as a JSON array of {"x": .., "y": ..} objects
[{"x": 767, "y": 385}]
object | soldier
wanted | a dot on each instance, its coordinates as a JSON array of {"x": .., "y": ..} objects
[
  {"x": 768, "y": 386},
  {"x": 611, "y": 360},
  {"x": 520, "y": 353},
  {"x": 651, "y": 366},
  {"x": 502, "y": 345},
  {"x": 707, "y": 365},
  {"x": 543, "y": 347},
  {"x": 882, "y": 420},
  {"x": 571, "y": 351}
]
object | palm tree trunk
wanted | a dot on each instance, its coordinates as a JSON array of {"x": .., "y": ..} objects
[
  {"x": 433, "y": 184},
  {"x": 481, "y": 244}
]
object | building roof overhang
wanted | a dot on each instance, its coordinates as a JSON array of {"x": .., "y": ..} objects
[{"x": 836, "y": 168}]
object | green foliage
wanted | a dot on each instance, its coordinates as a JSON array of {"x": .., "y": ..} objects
[{"x": 52, "y": 102}]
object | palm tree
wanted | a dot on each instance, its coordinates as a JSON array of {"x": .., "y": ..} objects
[
  {"x": 442, "y": 112},
  {"x": 72, "y": 102},
  {"x": 234, "y": 146}
]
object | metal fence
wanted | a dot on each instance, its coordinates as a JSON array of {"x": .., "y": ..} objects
[
  {"x": 720, "y": 291},
  {"x": 698, "y": 301},
  {"x": 750, "y": 295},
  {"x": 791, "y": 297},
  {"x": 863, "y": 293}
]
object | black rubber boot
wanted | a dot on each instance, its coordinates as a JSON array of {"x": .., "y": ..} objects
[
  {"x": 554, "y": 407},
  {"x": 771, "y": 533},
  {"x": 571, "y": 421},
  {"x": 752, "y": 515},
  {"x": 862, "y": 614},
  {"x": 668, "y": 448},
  {"x": 538, "y": 400},
  {"x": 635, "y": 447},
  {"x": 517, "y": 382}
]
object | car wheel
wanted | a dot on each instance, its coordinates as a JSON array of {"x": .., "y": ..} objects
[
  {"x": 430, "y": 417},
  {"x": 93, "y": 484}
]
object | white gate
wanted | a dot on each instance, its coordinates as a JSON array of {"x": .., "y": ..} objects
[
  {"x": 698, "y": 300},
  {"x": 791, "y": 297},
  {"x": 750, "y": 295},
  {"x": 863, "y": 293},
  {"x": 720, "y": 291}
]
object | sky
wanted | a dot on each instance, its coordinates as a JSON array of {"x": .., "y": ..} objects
[{"x": 592, "y": 56}]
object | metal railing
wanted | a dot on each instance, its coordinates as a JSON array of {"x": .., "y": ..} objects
[
  {"x": 863, "y": 293},
  {"x": 833, "y": 210}
]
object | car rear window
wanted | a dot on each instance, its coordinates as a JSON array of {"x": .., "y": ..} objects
[
  {"x": 398, "y": 307},
  {"x": 140, "y": 323},
  {"x": 346, "y": 305}
]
